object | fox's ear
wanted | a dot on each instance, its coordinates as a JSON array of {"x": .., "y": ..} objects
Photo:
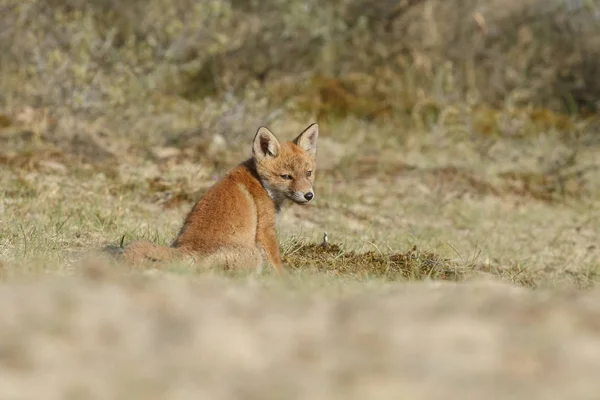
[
  {"x": 307, "y": 140},
  {"x": 265, "y": 144}
]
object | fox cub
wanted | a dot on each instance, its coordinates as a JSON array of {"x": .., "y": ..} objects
[{"x": 233, "y": 224}]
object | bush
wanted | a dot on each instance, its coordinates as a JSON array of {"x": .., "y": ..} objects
[{"x": 93, "y": 54}]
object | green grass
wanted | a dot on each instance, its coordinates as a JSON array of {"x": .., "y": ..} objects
[{"x": 379, "y": 196}]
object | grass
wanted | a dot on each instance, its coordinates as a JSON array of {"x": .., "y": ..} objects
[
  {"x": 461, "y": 203},
  {"x": 462, "y": 213}
]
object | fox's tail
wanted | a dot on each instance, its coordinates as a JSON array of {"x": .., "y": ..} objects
[{"x": 145, "y": 251}]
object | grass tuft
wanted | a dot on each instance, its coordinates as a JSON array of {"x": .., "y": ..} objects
[{"x": 331, "y": 258}]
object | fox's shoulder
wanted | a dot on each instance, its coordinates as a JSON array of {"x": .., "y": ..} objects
[{"x": 243, "y": 177}]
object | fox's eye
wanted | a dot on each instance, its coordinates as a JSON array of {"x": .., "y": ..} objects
[
  {"x": 308, "y": 173},
  {"x": 287, "y": 177}
]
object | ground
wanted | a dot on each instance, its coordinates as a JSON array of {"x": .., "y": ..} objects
[{"x": 515, "y": 210}]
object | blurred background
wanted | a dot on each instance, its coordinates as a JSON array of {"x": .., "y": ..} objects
[{"x": 160, "y": 68}]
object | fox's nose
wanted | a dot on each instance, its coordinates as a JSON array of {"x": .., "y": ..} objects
[{"x": 308, "y": 196}]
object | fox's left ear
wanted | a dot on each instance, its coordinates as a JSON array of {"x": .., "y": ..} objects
[{"x": 307, "y": 140}]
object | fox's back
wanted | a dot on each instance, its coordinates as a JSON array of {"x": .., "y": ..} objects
[{"x": 230, "y": 212}]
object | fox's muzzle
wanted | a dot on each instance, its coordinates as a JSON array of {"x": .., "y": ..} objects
[{"x": 302, "y": 197}]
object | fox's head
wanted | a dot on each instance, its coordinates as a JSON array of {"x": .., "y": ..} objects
[{"x": 286, "y": 170}]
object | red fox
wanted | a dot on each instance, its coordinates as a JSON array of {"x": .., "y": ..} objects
[{"x": 233, "y": 224}]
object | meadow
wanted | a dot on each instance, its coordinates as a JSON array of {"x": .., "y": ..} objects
[{"x": 457, "y": 182}]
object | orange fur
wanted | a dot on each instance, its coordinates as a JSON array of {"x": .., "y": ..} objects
[{"x": 233, "y": 224}]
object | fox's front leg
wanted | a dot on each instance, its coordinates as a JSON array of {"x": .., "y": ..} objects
[{"x": 267, "y": 239}]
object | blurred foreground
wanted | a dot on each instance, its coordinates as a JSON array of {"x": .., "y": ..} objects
[{"x": 104, "y": 337}]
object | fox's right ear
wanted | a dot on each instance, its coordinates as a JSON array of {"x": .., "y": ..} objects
[
  {"x": 307, "y": 140},
  {"x": 265, "y": 144}
]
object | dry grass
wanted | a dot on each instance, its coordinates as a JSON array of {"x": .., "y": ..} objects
[{"x": 457, "y": 181}]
